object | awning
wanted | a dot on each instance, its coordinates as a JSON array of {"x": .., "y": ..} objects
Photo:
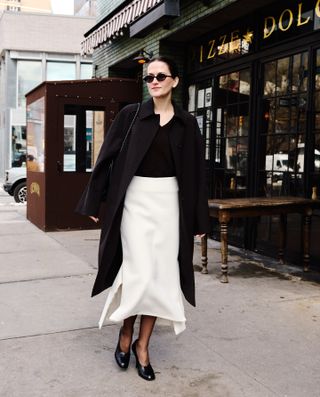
[{"x": 113, "y": 26}]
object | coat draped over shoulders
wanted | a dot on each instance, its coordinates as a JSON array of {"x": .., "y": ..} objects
[{"x": 188, "y": 154}]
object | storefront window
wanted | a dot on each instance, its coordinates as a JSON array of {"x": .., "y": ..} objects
[
  {"x": 200, "y": 105},
  {"x": 86, "y": 71},
  {"x": 316, "y": 160},
  {"x": 61, "y": 70},
  {"x": 284, "y": 125},
  {"x": 29, "y": 76},
  {"x": 232, "y": 131}
]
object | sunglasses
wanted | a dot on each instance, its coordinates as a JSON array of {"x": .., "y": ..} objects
[{"x": 159, "y": 77}]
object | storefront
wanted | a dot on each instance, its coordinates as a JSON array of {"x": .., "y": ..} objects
[
  {"x": 254, "y": 87},
  {"x": 250, "y": 73}
]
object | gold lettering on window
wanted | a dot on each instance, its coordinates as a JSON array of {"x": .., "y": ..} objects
[
  {"x": 286, "y": 11},
  {"x": 317, "y": 8},
  {"x": 223, "y": 48},
  {"x": 235, "y": 42},
  {"x": 235, "y": 35},
  {"x": 201, "y": 53},
  {"x": 212, "y": 51},
  {"x": 268, "y": 30},
  {"x": 300, "y": 23}
]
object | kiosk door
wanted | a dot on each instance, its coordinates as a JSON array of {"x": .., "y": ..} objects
[{"x": 83, "y": 129}]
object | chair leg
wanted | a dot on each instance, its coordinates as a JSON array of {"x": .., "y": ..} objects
[{"x": 204, "y": 254}]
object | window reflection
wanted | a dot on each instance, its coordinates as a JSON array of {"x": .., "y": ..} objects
[
  {"x": 270, "y": 79},
  {"x": 29, "y": 76},
  {"x": 283, "y": 125},
  {"x": 244, "y": 82},
  {"x": 242, "y": 156},
  {"x": 83, "y": 137},
  {"x": 316, "y": 160},
  {"x": 231, "y": 153},
  {"x": 317, "y": 121},
  {"x": 200, "y": 105},
  {"x": 86, "y": 71},
  {"x": 304, "y": 72},
  {"x": 317, "y": 153},
  {"x": 61, "y": 71},
  {"x": 299, "y": 73},
  {"x": 282, "y": 76},
  {"x": 286, "y": 75},
  {"x": 233, "y": 82},
  {"x": 18, "y": 146},
  {"x": 232, "y": 128},
  {"x": 35, "y": 137}
]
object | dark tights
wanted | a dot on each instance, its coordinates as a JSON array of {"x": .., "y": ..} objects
[{"x": 146, "y": 328}]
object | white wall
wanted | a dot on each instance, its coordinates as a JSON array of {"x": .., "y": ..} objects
[{"x": 43, "y": 32}]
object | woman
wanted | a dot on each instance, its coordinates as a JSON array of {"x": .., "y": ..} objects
[{"x": 156, "y": 203}]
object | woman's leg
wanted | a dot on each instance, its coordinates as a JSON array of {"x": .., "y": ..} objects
[
  {"x": 126, "y": 333},
  {"x": 146, "y": 328}
]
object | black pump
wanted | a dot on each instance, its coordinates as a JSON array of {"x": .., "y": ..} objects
[
  {"x": 122, "y": 358},
  {"x": 146, "y": 372}
]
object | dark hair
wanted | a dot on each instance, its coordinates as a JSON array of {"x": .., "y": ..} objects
[{"x": 171, "y": 64}]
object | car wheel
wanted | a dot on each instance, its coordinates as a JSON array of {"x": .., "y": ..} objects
[{"x": 20, "y": 193}]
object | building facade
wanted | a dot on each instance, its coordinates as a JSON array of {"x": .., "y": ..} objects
[
  {"x": 85, "y": 8},
  {"x": 251, "y": 76},
  {"x": 33, "y": 49},
  {"x": 26, "y": 5}
]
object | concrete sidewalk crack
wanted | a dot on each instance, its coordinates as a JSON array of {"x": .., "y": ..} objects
[
  {"x": 47, "y": 278},
  {"x": 49, "y": 333}
]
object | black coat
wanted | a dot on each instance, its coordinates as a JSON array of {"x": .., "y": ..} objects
[{"x": 188, "y": 154}]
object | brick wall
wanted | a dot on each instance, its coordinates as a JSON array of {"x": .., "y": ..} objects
[{"x": 125, "y": 47}]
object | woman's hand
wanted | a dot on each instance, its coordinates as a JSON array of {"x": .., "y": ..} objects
[{"x": 96, "y": 220}]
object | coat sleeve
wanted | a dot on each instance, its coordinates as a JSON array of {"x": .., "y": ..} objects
[
  {"x": 202, "y": 220},
  {"x": 92, "y": 196}
]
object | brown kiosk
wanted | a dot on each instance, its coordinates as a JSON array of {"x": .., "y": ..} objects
[{"x": 66, "y": 123}]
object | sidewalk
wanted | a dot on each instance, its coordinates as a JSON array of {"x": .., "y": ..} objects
[{"x": 257, "y": 336}]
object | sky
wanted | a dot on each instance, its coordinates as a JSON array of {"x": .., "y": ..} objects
[{"x": 62, "y": 6}]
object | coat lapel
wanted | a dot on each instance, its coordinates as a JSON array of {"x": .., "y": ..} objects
[
  {"x": 176, "y": 142},
  {"x": 142, "y": 135},
  {"x": 141, "y": 138}
]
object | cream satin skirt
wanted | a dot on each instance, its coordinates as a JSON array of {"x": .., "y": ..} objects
[{"x": 148, "y": 281}]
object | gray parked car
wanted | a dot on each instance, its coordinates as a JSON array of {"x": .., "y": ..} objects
[{"x": 16, "y": 183}]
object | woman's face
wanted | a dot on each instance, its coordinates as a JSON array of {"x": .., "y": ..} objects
[{"x": 160, "y": 89}]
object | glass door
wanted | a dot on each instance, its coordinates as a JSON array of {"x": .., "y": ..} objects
[
  {"x": 230, "y": 144},
  {"x": 315, "y": 164},
  {"x": 232, "y": 112},
  {"x": 283, "y": 145},
  {"x": 283, "y": 126},
  {"x": 315, "y": 167}
]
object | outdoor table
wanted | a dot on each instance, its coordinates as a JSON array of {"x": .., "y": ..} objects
[{"x": 226, "y": 209}]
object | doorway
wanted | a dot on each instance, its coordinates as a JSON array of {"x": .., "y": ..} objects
[{"x": 283, "y": 126}]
